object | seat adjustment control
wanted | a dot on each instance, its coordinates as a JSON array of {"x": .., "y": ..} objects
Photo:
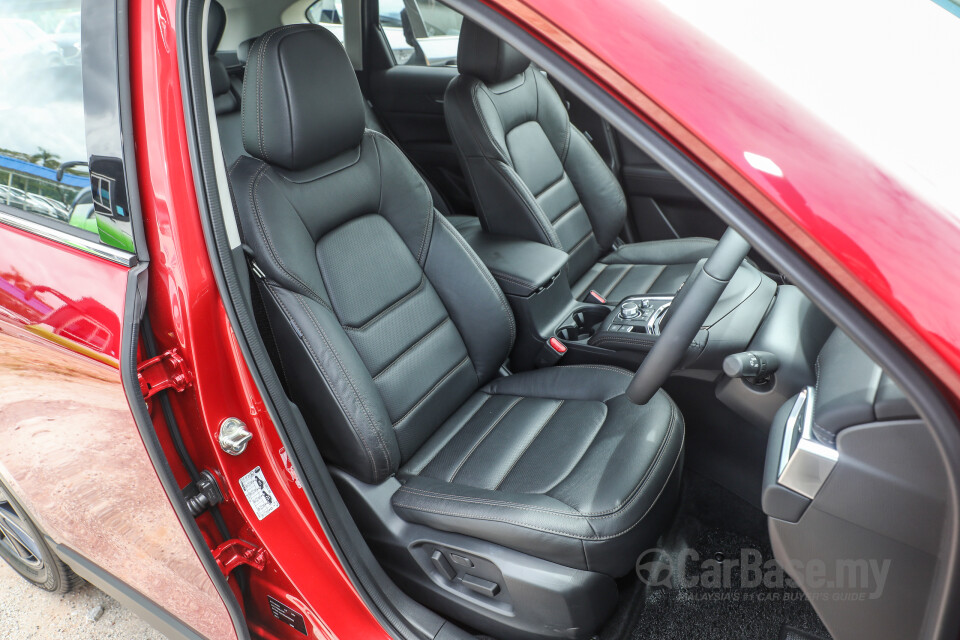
[
  {"x": 463, "y": 561},
  {"x": 440, "y": 564},
  {"x": 481, "y": 586}
]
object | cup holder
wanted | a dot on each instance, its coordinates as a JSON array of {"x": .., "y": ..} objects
[
  {"x": 583, "y": 324},
  {"x": 573, "y": 334}
]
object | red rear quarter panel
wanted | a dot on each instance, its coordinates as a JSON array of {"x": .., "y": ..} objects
[{"x": 69, "y": 447}]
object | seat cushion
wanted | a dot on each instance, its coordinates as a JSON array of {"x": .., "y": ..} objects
[
  {"x": 557, "y": 463},
  {"x": 659, "y": 266}
]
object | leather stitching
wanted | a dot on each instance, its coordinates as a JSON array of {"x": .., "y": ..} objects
[
  {"x": 430, "y": 391},
  {"x": 580, "y": 243},
  {"x": 484, "y": 273},
  {"x": 254, "y": 183},
  {"x": 400, "y": 356},
  {"x": 653, "y": 244},
  {"x": 503, "y": 276},
  {"x": 567, "y": 212},
  {"x": 474, "y": 94},
  {"x": 603, "y": 269},
  {"x": 528, "y": 445},
  {"x": 593, "y": 438},
  {"x": 617, "y": 281},
  {"x": 426, "y": 463},
  {"x": 578, "y": 516},
  {"x": 528, "y": 201},
  {"x": 260, "y": 64},
  {"x": 428, "y": 225},
  {"x": 638, "y": 341},
  {"x": 327, "y": 380},
  {"x": 600, "y": 367},
  {"x": 483, "y": 437},
  {"x": 346, "y": 374},
  {"x": 552, "y": 184},
  {"x": 390, "y": 307}
]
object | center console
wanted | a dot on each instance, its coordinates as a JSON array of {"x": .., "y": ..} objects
[
  {"x": 633, "y": 325},
  {"x": 551, "y": 323},
  {"x": 639, "y": 315}
]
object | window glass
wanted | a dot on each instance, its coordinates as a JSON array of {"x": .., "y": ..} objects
[
  {"x": 328, "y": 14},
  {"x": 41, "y": 111},
  {"x": 423, "y": 32}
]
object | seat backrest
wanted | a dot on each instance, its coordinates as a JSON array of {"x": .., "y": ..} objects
[
  {"x": 384, "y": 319},
  {"x": 531, "y": 173}
]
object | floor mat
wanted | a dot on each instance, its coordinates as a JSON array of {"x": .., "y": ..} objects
[{"x": 713, "y": 576}]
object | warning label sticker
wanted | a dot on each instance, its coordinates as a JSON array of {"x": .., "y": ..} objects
[
  {"x": 258, "y": 493},
  {"x": 285, "y": 614}
]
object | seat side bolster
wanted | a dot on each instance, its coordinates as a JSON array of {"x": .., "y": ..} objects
[
  {"x": 356, "y": 433},
  {"x": 504, "y": 202},
  {"x": 535, "y": 524},
  {"x": 471, "y": 297},
  {"x": 273, "y": 230},
  {"x": 599, "y": 190}
]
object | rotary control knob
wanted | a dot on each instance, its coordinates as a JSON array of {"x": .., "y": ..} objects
[{"x": 629, "y": 310}]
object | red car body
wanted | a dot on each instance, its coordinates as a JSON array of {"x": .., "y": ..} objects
[{"x": 97, "y": 493}]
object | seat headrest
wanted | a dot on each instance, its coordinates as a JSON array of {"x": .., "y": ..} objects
[
  {"x": 224, "y": 99},
  {"x": 216, "y": 21},
  {"x": 243, "y": 50},
  {"x": 485, "y": 56},
  {"x": 301, "y": 100}
]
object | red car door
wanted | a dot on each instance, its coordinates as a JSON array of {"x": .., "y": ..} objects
[{"x": 71, "y": 454}]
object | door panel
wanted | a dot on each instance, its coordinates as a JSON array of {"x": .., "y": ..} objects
[
  {"x": 661, "y": 207},
  {"x": 69, "y": 447},
  {"x": 409, "y": 101}
]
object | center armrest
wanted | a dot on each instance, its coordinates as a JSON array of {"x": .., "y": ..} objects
[{"x": 521, "y": 267}]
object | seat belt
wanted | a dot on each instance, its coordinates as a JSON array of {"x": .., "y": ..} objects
[{"x": 256, "y": 294}]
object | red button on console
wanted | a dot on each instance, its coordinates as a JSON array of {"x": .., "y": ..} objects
[
  {"x": 557, "y": 346},
  {"x": 596, "y": 297}
]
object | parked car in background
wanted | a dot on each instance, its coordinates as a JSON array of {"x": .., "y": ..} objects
[
  {"x": 83, "y": 213},
  {"x": 429, "y": 37},
  {"x": 616, "y": 319}
]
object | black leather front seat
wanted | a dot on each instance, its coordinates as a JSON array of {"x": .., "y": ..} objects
[
  {"x": 391, "y": 333},
  {"x": 535, "y": 176}
]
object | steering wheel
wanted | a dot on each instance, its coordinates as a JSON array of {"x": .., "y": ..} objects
[{"x": 688, "y": 312}]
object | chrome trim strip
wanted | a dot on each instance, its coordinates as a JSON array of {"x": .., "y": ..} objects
[
  {"x": 62, "y": 237},
  {"x": 653, "y": 326},
  {"x": 791, "y": 432},
  {"x": 810, "y": 461}
]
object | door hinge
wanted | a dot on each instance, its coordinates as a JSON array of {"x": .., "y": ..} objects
[
  {"x": 233, "y": 553},
  {"x": 166, "y": 371}
]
